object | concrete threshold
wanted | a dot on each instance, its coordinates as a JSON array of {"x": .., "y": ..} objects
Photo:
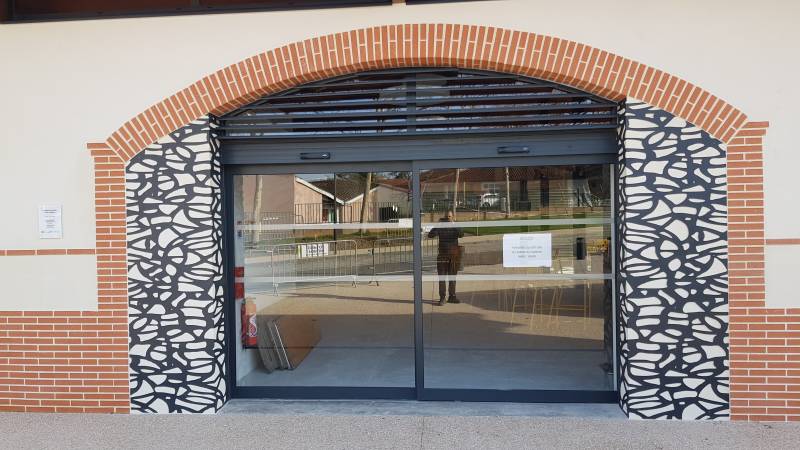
[{"x": 417, "y": 408}]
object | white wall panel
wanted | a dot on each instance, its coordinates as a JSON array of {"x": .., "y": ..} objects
[
  {"x": 782, "y": 266},
  {"x": 48, "y": 283}
]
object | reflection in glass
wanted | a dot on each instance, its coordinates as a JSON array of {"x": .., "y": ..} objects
[
  {"x": 323, "y": 280},
  {"x": 516, "y": 278},
  {"x": 533, "y": 277}
]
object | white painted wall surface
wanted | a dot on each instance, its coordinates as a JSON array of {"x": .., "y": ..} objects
[
  {"x": 782, "y": 266},
  {"x": 72, "y": 82},
  {"x": 49, "y": 283}
]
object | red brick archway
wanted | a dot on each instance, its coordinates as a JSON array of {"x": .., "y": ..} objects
[
  {"x": 488, "y": 48},
  {"x": 445, "y": 45},
  {"x": 104, "y": 386}
]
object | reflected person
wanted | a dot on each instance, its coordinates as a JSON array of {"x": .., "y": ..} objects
[{"x": 448, "y": 258}]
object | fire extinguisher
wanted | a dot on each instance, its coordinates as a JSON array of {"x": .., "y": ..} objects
[
  {"x": 249, "y": 326},
  {"x": 238, "y": 282}
]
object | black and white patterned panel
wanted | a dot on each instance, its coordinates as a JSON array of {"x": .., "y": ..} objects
[
  {"x": 174, "y": 227},
  {"x": 673, "y": 276}
]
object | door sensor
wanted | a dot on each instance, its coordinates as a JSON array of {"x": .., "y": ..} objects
[
  {"x": 506, "y": 149},
  {"x": 316, "y": 155}
]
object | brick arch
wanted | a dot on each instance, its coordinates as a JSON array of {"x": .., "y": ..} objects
[{"x": 444, "y": 45}]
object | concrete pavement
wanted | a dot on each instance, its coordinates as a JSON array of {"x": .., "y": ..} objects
[{"x": 363, "y": 430}]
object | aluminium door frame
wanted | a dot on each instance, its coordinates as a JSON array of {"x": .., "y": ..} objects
[
  {"x": 506, "y": 395},
  {"x": 290, "y": 392},
  {"x": 246, "y": 166}
]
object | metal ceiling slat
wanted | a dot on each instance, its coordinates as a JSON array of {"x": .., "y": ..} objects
[
  {"x": 428, "y": 102},
  {"x": 257, "y": 118},
  {"x": 462, "y": 90},
  {"x": 498, "y": 131},
  {"x": 467, "y": 101},
  {"x": 394, "y": 81},
  {"x": 483, "y": 121}
]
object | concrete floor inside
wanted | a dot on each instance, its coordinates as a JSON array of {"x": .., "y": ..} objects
[{"x": 367, "y": 339}]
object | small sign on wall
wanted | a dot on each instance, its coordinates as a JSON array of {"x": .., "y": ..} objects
[
  {"x": 50, "y": 222},
  {"x": 527, "y": 250}
]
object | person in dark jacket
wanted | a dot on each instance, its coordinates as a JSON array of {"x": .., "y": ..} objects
[{"x": 448, "y": 258}]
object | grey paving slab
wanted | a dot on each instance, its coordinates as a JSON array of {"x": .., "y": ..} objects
[
  {"x": 580, "y": 433},
  {"x": 59, "y": 431},
  {"x": 312, "y": 431}
]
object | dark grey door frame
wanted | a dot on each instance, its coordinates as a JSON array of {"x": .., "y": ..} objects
[
  {"x": 282, "y": 162},
  {"x": 421, "y": 148}
]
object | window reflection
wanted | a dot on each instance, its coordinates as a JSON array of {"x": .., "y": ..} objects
[
  {"x": 324, "y": 285},
  {"x": 533, "y": 277},
  {"x": 516, "y": 278}
]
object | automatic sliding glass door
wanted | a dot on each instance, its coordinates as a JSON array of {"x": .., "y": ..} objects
[
  {"x": 324, "y": 300},
  {"x": 466, "y": 280},
  {"x": 517, "y": 282}
]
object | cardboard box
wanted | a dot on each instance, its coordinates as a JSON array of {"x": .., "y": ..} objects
[{"x": 284, "y": 341}]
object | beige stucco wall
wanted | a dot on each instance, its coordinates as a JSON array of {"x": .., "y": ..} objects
[
  {"x": 47, "y": 283},
  {"x": 782, "y": 265},
  {"x": 69, "y": 83}
]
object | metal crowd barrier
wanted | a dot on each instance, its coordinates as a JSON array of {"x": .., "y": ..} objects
[
  {"x": 313, "y": 262},
  {"x": 336, "y": 261},
  {"x": 396, "y": 256}
]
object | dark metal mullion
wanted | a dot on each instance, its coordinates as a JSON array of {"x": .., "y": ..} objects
[{"x": 419, "y": 351}]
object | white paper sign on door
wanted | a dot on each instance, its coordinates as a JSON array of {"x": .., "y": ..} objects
[
  {"x": 50, "y": 222},
  {"x": 527, "y": 250}
]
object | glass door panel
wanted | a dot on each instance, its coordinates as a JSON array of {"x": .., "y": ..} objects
[
  {"x": 324, "y": 285},
  {"x": 517, "y": 277}
]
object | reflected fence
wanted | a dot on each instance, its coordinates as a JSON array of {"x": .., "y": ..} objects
[
  {"x": 369, "y": 259},
  {"x": 313, "y": 262},
  {"x": 337, "y": 261},
  {"x": 396, "y": 257}
]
